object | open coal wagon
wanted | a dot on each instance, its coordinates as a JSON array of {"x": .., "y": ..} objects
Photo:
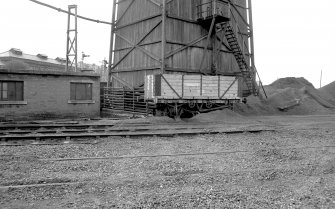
[{"x": 177, "y": 95}]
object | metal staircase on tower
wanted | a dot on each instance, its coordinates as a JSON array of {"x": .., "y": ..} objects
[
  {"x": 247, "y": 73},
  {"x": 215, "y": 16}
]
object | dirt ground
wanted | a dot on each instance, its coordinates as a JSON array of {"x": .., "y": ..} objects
[{"x": 293, "y": 167}]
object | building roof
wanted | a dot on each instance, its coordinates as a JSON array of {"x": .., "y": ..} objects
[
  {"x": 17, "y": 53},
  {"x": 40, "y": 72}
]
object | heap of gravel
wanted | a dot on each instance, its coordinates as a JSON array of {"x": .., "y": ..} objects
[
  {"x": 291, "y": 82},
  {"x": 219, "y": 116},
  {"x": 329, "y": 90},
  {"x": 290, "y": 96}
]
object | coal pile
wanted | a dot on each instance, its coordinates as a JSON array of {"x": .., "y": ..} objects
[
  {"x": 329, "y": 91},
  {"x": 291, "y": 96},
  {"x": 219, "y": 116}
]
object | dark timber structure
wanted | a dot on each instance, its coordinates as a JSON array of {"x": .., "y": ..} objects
[
  {"x": 208, "y": 37},
  {"x": 182, "y": 36}
]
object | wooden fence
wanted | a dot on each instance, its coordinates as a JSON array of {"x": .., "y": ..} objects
[{"x": 126, "y": 101}]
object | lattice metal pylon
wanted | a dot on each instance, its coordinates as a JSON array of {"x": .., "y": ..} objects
[{"x": 71, "y": 40}]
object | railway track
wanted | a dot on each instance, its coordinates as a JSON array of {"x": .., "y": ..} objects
[
  {"x": 45, "y": 134},
  {"x": 265, "y": 172},
  {"x": 224, "y": 152},
  {"x": 251, "y": 171},
  {"x": 269, "y": 171}
]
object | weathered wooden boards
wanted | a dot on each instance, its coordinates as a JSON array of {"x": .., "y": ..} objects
[
  {"x": 139, "y": 41},
  {"x": 174, "y": 86}
]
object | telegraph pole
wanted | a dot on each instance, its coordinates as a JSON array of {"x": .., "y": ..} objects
[{"x": 321, "y": 80}]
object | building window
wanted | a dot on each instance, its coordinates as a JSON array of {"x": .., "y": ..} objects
[
  {"x": 81, "y": 91},
  {"x": 11, "y": 90}
]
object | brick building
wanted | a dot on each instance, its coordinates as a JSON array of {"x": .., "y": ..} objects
[
  {"x": 33, "y": 62},
  {"x": 41, "y": 94}
]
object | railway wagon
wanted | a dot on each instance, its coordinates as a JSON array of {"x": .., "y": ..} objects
[{"x": 187, "y": 95}]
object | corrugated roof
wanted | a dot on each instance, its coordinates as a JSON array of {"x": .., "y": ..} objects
[
  {"x": 59, "y": 59},
  {"x": 16, "y": 51},
  {"x": 42, "y": 56},
  {"x": 31, "y": 57},
  {"x": 50, "y": 72}
]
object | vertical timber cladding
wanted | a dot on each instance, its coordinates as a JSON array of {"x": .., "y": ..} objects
[
  {"x": 138, "y": 40},
  {"x": 139, "y": 22}
]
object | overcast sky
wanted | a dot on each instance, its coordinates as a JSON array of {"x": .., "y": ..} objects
[{"x": 293, "y": 38}]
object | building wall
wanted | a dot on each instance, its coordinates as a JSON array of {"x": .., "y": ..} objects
[{"x": 47, "y": 97}]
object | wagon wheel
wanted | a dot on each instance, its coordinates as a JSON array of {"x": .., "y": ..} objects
[
  {"x": 209, "y": 105},
  {"x": 191, "y": 104}
]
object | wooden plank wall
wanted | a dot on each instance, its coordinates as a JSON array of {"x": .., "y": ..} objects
[
  {"x": 137, "y": 64},
  {"x": 179, "y": 32},
  {"x": 175, "y": 81}
]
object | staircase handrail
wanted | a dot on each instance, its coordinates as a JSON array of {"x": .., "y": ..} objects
[
  {"x": 260, "y": 81},
  {"x": 213, "y": 9}
]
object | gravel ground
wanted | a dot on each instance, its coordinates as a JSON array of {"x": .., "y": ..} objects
[{"x": 265, "y": 175}]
